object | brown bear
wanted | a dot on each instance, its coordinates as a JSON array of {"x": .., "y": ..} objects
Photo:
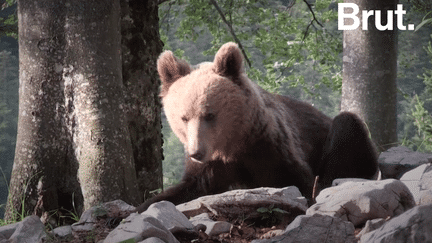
[{"x": 236, "y": 133}]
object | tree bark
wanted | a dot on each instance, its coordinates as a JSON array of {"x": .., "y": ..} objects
[
  {"x": 369, "y": 73},
  {"x": 99, "y": 130},
  {"x": 42, "y": 147},
  {"x": 141, "y": 46},
  {"x": 72, "y": 110}
]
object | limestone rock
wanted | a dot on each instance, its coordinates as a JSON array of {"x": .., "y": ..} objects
[
  {"x": 7, "y": 231},
  {"x": 419, "y": 182},
  {"x": 152, "y": 240},
  {"x": 212, "y": 227},
  {"x": 360, "y": 201},
  {"x": 394, "y": 162},
  {"x": 246, "y": 202},
  {"x": 370, "y": 226},
  {"x": 315, "y": 229},
  {"x": 63, "y": 231},
  {"x": 415, "y": 225},
  {"x": 161, "y": 220},
  {"x": 30, "y": 229},
  {"x": 114, "y": 209},
  {"x": 169, "y": 216},
  {"x": 426, "y": 186},
  {"x": 140, "y": 227}
]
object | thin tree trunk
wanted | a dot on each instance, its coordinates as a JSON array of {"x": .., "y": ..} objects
[
  {"x": 141, "y": 46},
  {"x": 369, "y": 73}
]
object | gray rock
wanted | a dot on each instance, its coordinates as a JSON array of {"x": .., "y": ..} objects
[
  {"x": 415, "y": 225},
  {"x": 31, "y": 229},
  {"x": 63, "y": 231},
  {"x": 87, "y": 220},
  {"x": 370, "y": 226},
  {"x": 114, "y": 209},
  {"x": 152, "y": 240},
  {"x": 246, "y": 202},
  {"x": 161, "y": 220},
  {"x": 340, "y": 181},
  {"x": 170, "y": 217},
  {"x": 213, "y": 227},
  {"x": 426, "y": 179},
  {"x": 425, "y": 184},
  {"x": 419, "y": 182},
  {"x": 396, "y": 161},
  {"x": 361, "y": 201},
  {"x": 7, "y": 230},
  {"x": 139, "y": 228},
  {"x": 425, "y": 197},
  {"x": 316, "y": 228}
]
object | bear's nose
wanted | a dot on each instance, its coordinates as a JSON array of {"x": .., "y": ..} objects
[{"x": 197, "y": 156}]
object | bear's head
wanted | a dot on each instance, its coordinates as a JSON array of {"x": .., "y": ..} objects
[{"x": 208, "y": 108}]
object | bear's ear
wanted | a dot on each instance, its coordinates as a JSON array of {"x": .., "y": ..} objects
[
  {"x": 228, "y": 61},
  {"x": 170, "y": 69}
]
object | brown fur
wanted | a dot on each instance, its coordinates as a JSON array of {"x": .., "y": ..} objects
[{"x": 234, "y": 132}]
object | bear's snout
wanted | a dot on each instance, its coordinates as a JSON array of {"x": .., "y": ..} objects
[{"x": 197, "y": 146}]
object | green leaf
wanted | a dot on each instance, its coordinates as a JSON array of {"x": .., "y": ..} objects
[
  {"x": 278, "y": 210},
  {"x": 262, "y": 210},
  {"x": 426, "y": 21},
  {"x": 128, "y": 241}
]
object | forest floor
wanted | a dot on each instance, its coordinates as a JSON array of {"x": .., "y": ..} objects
[{"x": 242, "y": 231}]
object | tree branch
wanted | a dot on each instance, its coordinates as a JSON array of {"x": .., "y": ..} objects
[
  {"x": 313, "y": 14},
  {"x": 161, "y": 1},
  {"x": 231, "y": 31},
  {"x": 314, "y": 19}
]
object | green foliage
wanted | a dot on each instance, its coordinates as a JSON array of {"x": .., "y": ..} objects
[
  {"x": 3, "y": 206},
  {"x": 8, "y": 116},
  {"x": 22, "y": 213},
  {"x": 422, "y": 6},
  {"x": 413, "y": 61},
  {"x": 128, "y": 241},
  {"x": 277, "y": 38},
  {"x": 288, "y": 41},
  {"x": 422, "y": 119},
  {"x": 425, "y": 21},
  {"x": 427, "y": 75},
  {"x": 8, "y": 24},
  {"x": 71, "y": 215},
  {"x": 173, "y": 156},
  {"x": 423, "y": 122},
  {"x": 271, "y": 214}
]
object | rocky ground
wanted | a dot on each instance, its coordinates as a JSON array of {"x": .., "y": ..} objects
[{"x": 353, "y": 210}]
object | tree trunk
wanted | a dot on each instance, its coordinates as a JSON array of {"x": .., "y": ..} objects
[
  {"x": 369, "y": 73},
  {"x": 42, "y": 146},
  {"x": 141, "y": 46},
  {"x": 71, "y": 112},
  {"x": 99, "y": 129}
]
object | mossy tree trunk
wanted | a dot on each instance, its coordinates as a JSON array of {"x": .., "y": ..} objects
[{"x": 369, "y": 73}]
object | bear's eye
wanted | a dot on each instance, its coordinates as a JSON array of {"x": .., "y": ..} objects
[
  {"x": 209, "y": 117},
  {"x": 184, "y": 119}
]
